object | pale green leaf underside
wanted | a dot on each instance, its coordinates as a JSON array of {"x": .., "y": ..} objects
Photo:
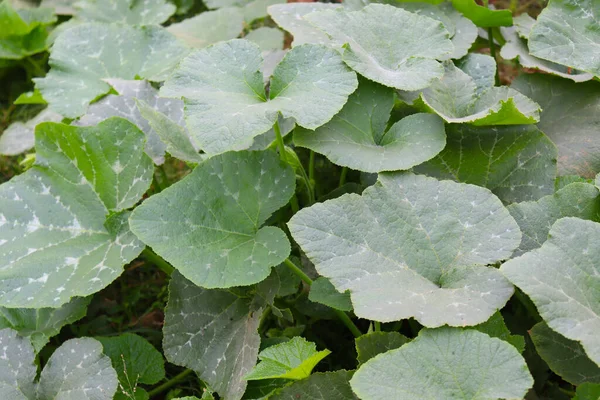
[
  {"x": 517, "y": 163},
  {"x": 566, "y": 32},
  {"x": 322, "y": 291},
  {"x": 562, "y": 278},
  {"x": 565, "y": 357},
  {"x": 209, "y": 27},
  {"x": 570, "y": 117},
  {"x": 374, "y": 343},
  {"x": 39, "y": 325},
  {"x": 535, "y": 219},
  {"x": 413, "y": 246},
  {"x": 290, "y": 16},
  {"x": 130, "y": 12},
  {"x": 55, "y": 239},
  {"x": 407, "y": 62},
  {"x": 356, "y": 136},
  {"x": 225, "y": 101},
  {"x": 19, "y": 136},
  {"x": 209, "y": 224},
  {"x": 469, "y": 365},
  {"x": 76, "y": 370},
  {"x": 83, "y": 56},
  {"x": 319, "y": 386},
  {"x": 218, "y": 340},
  {"x": 294, "y": 359}
]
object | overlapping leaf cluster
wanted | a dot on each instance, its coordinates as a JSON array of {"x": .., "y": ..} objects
[{"x": 474, "y": 199}]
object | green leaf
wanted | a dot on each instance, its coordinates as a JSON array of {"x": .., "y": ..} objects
[
  {"x": 356, "y": 137},
  {"x": 588, "y": 391},
  {"x": 130, "y": 12},
  {"x": 496, "y": 327},
  {"x": 322, "y": 291},
  {"x": 19, "y": 137},
  {"x": 218, "y": 340},
  {"x": 266, "y": 38},
  {"x": 468, "y": 365},
  {"x": 218, "y": 211},
  {"x": 209, "y": 27},
  {"x": 565, "y": 357},
  {"x": 225, "y": 101},
  {"x": 566, "y": 32},
  {"x": 173, "y": 134},
  {"x": 62, "y": 226},
  {"x": 263, "y": 389},
  {"x": 290, "y": 17},
  {"x": 517, "y": 163},
  {"x": 375, "y": 343},
  {"x": 83, "y": 56},
  {"x": 61, "y": 7},
  {"x": 135, "y": 360},
  {"x": 257, "y": 9},
  {"x": 570, "y": 118},
  {"x": 76, "y": 370},
  {"x": 319, "y": 386},
  {"x": 124, "y": 105},
  {"x": 23, "y": 31},
  {"x": 457, "y": 98},
  {"x": 483, "y": 16},
  {"x": 294, "y": 359},
  {"x": 407, "y": 64},
  {"x": 579, "y": 200},
  {"x": 34, "y": 97},
  {"x": 562, "y": 181},
  {"x": 448, "y": 232},
  {"x": 561, "y": 278},
  {"x": 39, "y": 325}
]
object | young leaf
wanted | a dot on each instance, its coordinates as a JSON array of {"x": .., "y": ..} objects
[
  {"x": 319, "y": 386},
  {"x": 356, "y": 136},
  {"x": 19, "y": 137},
  {"x": 517, "y": 163},
  {"x": 226, "y": 105},
  {"x": 83, "y": 56},
  {"x": 124, "y": 106},
  {"x": 130, "y": 12},
  {"x": 23, "y": 31},
  {"x": 374, "y": 343},
  {"x": 483, "y": 16},
  {"x": 294, "y": 359},
  {"x": 496, "y": 327},
  {"x": 565, "y": 357},
  {"x": 135, "y": 360},
  {"x": 579, "y": 200},
  {"x": 408, "y": 62},
  {"x": 209, "y": 224},
  {"x": 76, "y": 370},
  {"x": 561, "y": 278},
  {"x": 209, "y": 27},
  {"x": 566, "y": 32},
  {"x": 218, "y": 340},
  {"x": 322, "y": 291},
  {"x": 62, "y": 226},
  {"x": 448, "y": 232},
  {"x": 570, "y": 117},
  {"x": 290, "y": 16},
  {"x": 39, "y": 325},
  {"x": 468, "y": 364},
  {"x": 588, "y": 391}
]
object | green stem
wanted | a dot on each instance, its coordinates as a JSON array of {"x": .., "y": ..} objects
[
  {"x": 309, "y": 187},
  {"x": 340, "y": 314},
  {"x": 377, "y": 326},
  {"x": 171, "y": 382},
  {"x": 158, "y": 261},
  {"x": 311, "y": 166},
  {"x": 343, "y": 176},
  {"x": 493, "y": 53},
  {"x": 294, "y": 204},
  {"x": 280, "y": 142}
]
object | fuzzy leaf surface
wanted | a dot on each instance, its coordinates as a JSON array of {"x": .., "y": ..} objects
[
  {"x": 130, "y": 12},
  {"x": 319, "y": 386},
  {"x": 375, "y": 343},
  {"x": 19, "y": 136},
  {"x": 290, "y": 17},
  {"x": 209, "y": 27}
]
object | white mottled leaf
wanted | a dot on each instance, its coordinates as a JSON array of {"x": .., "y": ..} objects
[
  {"x": 84, "y": 56},
  {"x": 566, "y": 32},
  {"x": 290, "y": 16},
  {"x": 19, "y": 137},
  {"x": 17, "y": 368},
  {"x": 219, "y": 340},
  {"x": 562, "y": 278},
  {"x": 209, "y": 27},
  {"x": 469, "y": 365},
  {"x": 209, "y": 224},
  {"x": 413, "y": 246},
  {"x": 57, "y": 239},
  {"x": 130, "y": 12},
  {"x": 226, "y": 105},
  {"x": 407, "y": 62},
  {"x": 356, "y": 137}
]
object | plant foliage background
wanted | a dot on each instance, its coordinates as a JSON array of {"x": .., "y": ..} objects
[{"x": 237, "y": 199}]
